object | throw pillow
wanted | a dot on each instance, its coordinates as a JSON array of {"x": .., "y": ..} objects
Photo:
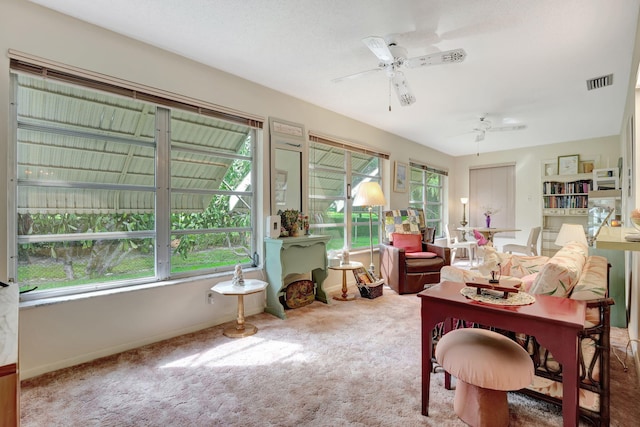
[{"x": 409, "y": 242}]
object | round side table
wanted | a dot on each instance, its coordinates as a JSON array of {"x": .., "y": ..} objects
[
  {"x": 345, "y": 267},
  {"x": 251, "y": 286}
]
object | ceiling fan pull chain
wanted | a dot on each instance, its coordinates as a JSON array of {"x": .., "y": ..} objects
[{"x": 389, "y": 94}]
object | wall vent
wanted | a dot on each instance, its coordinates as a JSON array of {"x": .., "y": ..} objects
[{"x": 599, "y": 82}]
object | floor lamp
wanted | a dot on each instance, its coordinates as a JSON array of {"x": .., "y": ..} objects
[
  {"x": 464, "y": 201},
  {"x": 370, "y": 194}
]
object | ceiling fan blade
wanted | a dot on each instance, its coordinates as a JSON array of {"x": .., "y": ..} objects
[
  {"x": 356, "y": 75},
  {"x": 405, "y": 96},
  {"x": 379, "y": 47},
  {"x": 506, "y": 128},
  {"x": 446, "y": 57}
]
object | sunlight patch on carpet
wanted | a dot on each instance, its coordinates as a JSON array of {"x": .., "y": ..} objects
[{"x": 249, "y": 351}]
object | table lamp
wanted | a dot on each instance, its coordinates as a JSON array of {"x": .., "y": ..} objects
[
  {"x": 571, "y": 233},
  {"x": 370, "y": 194}
]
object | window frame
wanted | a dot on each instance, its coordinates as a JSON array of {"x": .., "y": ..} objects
[
  {"x": 161, "y": 232},
  {"x": 423, "y": 201},
  {"x": 348, "y": 187}
]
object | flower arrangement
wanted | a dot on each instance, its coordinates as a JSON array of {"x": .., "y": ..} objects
[
  {"x": 488, "y": 211},
  {"x": 289, "y": 221}
]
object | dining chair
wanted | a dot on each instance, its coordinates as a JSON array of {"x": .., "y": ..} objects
[
  {"x": 454, "y": 244},
  {"x": 531, "y": 248}
]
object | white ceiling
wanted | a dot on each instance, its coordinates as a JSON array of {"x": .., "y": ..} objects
[{"x": 527, "y": 60}]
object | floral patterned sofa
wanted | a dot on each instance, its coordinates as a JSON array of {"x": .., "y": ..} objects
[{"x": 570, "y": 273}]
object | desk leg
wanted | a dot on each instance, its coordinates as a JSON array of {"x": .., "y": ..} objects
[
  {"x": 570, "y": 394},
  {"x": 240, "y": 329},
  {"x": 448, "y": 327},
  {"x": 563, "y": 344},
  {"x": 427, "y": 364}
]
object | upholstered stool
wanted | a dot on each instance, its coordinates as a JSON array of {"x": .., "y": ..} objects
[{"x": 486, "y": 365}]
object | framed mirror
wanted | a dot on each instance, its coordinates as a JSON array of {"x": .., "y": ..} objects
[{"x": 288, "y": 177}]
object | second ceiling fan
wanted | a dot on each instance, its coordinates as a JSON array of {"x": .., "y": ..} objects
[
  {"x": 393, "y": 58},
  {"x": 484, "y": 125}
]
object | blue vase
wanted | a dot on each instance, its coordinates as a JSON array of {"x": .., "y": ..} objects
[{"x": 488, "y": 220}]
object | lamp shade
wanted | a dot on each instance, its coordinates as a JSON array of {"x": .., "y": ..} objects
[
  {"x": 464, "y": 200},
  {"x": 369, "y": 194},
  {"x": 571, "y": 233}
]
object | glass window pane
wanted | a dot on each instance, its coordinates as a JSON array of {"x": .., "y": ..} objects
[
  {"x": 211, "y": 180},
  {"x": 327, "y": 218},
  {"x": 426, "y": 193},
  {"x": 204, "y": 212},
  {"x": 328, "y": 199},
  {"x": 50, "y": 265},
  {"x": 360, "y": 227},
  {"x": 84, "y": 210},
  {"x": 210, "y": 251},
  {"x": 80, "y": 153}
]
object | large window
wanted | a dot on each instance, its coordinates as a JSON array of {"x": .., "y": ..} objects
[
  {"x": 427, "y": 192},
  {"x": 335, "y": 171},
  {"x": 113, "y": 191}
]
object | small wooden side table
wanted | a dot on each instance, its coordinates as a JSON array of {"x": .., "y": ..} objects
[
  {"x": 345, "y": 267},
  {"x": 251, "y": 286}
]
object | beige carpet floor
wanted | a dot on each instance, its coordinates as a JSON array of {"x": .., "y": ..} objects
[{"x": 353, "y": 363}]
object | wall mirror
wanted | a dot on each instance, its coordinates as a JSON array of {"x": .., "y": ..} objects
[{"x": 288, "y": 177}]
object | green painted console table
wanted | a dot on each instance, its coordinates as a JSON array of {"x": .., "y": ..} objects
[{"x": 294, "y": 255}]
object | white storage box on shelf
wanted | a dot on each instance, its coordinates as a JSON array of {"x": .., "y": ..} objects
[{"x": 606, "y": 179}]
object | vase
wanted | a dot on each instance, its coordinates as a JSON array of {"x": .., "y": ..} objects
[
  {"x": 488, "y": 221},
  {"x": 295, "y": 230}
]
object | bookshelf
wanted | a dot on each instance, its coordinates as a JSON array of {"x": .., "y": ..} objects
[{"x": 565, "y": 199}]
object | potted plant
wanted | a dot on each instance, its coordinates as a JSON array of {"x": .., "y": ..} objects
[{"x": 289, "y": 221}]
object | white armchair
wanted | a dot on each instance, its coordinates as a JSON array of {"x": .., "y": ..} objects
[{"x": 454, "y": 244}]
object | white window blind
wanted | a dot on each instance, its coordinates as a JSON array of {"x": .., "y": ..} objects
[{"x": 493, "y": 187}]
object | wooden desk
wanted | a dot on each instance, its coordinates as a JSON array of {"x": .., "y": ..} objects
[
  {"x": 488, "y": 232},
  {"x": 554, "y": 321}
]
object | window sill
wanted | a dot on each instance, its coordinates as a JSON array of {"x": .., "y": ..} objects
[{"x": 44, "y": 301}]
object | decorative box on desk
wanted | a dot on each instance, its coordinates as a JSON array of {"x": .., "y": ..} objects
[{"x": 294, "y": 255}]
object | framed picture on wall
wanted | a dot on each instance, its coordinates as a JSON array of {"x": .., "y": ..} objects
[
  {"x": 586, "y": 167},
  {"x": 400, "y": 174},
  {"x": 568, "y": 165}
]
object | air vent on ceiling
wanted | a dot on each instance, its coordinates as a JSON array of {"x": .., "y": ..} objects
[{"x": 599, "y": 82}]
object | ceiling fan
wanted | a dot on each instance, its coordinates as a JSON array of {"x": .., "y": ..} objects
[
  {"x": 484, "y": 125},
  {"x": 393, "y": 58}
]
